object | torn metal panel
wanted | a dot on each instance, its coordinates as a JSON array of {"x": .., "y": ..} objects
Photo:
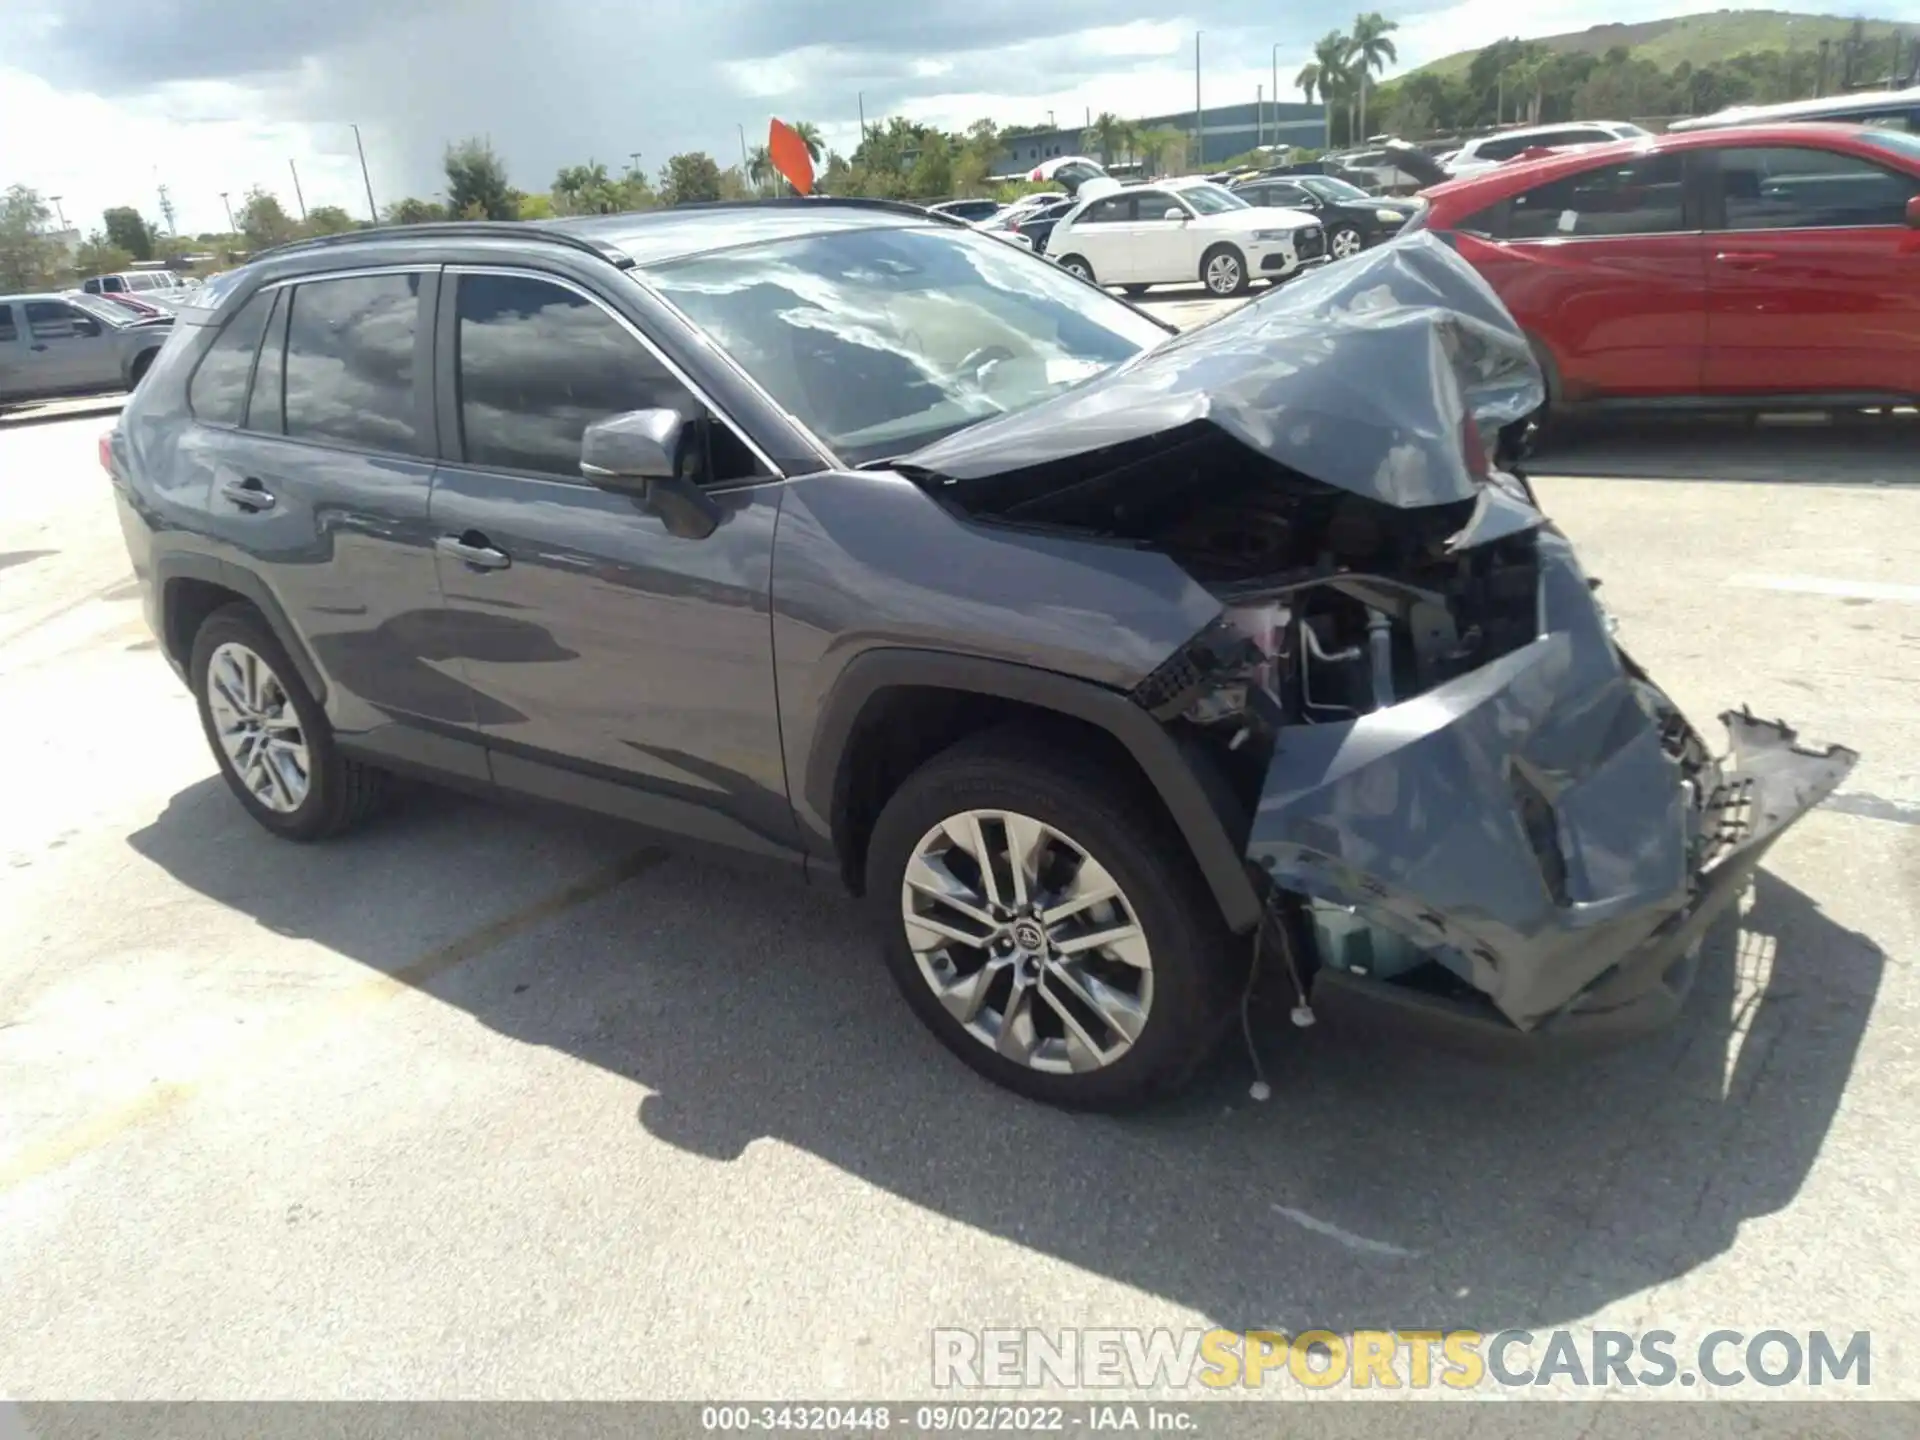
[
  {"x": 1365, "y": 376},
  {"x": 1538, "y": 821}
]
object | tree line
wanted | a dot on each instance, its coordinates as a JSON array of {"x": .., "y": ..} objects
[{"x": 1524, "y": 81}]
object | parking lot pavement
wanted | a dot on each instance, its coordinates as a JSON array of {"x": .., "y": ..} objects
[{"x": 485, "y": 1102}]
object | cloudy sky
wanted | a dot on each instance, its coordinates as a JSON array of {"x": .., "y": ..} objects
[{"x": 101, "y": 101}]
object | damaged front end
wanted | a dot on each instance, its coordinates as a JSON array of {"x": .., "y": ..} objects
[{"x": 1467, "y": 806}]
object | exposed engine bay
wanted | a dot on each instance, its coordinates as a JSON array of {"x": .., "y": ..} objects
[{"x": 1452, "y": 780}]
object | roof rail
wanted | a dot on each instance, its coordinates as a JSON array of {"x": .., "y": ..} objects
[
  {"x": 862, "y": 202},
  {"x": 534, "y": 230}
]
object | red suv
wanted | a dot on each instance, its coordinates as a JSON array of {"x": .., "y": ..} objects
[{"x": 1775, "y": 264}]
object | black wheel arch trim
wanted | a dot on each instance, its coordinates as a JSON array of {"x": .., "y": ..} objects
[
  {"x": 1193, "y": 799},
  {"x": 210, "y": 569}
]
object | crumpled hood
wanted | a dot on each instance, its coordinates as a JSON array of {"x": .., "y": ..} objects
[{"x": 1362, "y": 375}]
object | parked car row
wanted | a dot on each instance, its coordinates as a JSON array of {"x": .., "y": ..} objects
[{"x": 53, "y": 345}]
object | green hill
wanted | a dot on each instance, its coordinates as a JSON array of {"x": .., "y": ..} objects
[{"x": 1700, "y": 39}]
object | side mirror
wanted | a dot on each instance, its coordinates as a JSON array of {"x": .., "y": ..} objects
[
  {"x": 1173, "y": 212},
  {"x": 647, "y": 453},
  {"x": 1913, "y": 212}
]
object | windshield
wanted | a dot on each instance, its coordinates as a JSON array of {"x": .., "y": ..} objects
[
  {"x": 1328, "y": 188},
  {"x": 1901, "y": 144},
  {"x": 880, "y": 341},
  {"x": 1211, "y": 199}
]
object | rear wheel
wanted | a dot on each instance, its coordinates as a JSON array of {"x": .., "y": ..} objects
[
  {"x": 1077, "y": 264},
  {"x": 1134, "y": 292},
  {"x": 1223, "y": 270},
  {"x": 269, "y": 735},
  {"x": 1047, "y": 925}
]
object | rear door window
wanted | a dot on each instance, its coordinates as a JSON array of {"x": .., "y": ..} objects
[
  {"x": 350, "y": 362},
  {"x": 9, "y": 331},
  {"x": 1645, "y": 196},
  {"x": 1111, "y": 211},
  {"x": 1800, "y": 188},
  {"x": 217, "y": 393}
]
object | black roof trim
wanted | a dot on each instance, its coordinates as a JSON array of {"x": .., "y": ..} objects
[
  {"x": 799, "y": 202},
  {"x": 536, "y": 232}
]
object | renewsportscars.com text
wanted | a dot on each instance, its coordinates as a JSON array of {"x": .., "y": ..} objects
[{"x": 1171, "y": 1360}]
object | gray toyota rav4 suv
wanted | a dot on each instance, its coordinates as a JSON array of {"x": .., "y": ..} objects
[{"x": 1118, "y": 670}]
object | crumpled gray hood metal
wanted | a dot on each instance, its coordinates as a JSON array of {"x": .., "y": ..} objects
[{"x": 1362, "y": 375}]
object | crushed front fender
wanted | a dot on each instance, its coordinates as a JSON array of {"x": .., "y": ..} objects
[{"x": 1545, "y": 825}]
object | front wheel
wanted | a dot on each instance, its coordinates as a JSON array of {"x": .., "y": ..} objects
[
  {"x": 1223, "y": 270},
  {"x": 1345, "y": 242},
  {"x": 1134, "y": 292},
  {"x": 1048, "y": 926}
]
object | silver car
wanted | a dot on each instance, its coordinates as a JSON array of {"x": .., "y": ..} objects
[{"x": 53, "y": 345}]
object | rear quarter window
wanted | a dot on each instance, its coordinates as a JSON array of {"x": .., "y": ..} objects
[{"x": 217, "y": 393}]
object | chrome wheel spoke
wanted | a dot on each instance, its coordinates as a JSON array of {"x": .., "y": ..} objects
[
  {"x": 1091, "y": 886},
  {"x": 931, "y": 930},
  {"x": 967, "y": 995},
  {"x": 258, "y": 728},
  {"x": 929, "y": 876},
  {"x": 1018, "y": 1039},
  {"x": 1122, "y": 940},
  {"x": 1117, "y": 1010},
  {"x": 1026, "y": 845}
]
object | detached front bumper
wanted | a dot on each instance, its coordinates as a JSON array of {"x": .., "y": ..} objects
[
  {"x": 1546, "y": 828},
  {"x": 1768, "y": 781}
]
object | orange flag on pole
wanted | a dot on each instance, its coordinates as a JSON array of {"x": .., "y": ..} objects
[{"x": 790, "y": 156}]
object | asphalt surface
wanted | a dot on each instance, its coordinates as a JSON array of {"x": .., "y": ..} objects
[{"x": 485, "y": 1102}]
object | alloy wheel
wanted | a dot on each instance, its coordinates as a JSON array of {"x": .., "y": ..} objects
[
  {"x": 258, "y": 728},
  {"x": 1027, "y": 941},
  {"x": 1223, "y": 274},
  {"x": 1346, "y": 244}
]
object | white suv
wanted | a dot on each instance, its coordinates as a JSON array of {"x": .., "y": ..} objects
[
  {"x": 1491, "y": 150},
  {"x": 1174, "y": 232}
]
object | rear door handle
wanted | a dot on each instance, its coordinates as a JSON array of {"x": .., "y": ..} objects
[
  {"x": 1744, "y": 259},
  {"x": 474, "y": 550},
  {"x": 248, "y": 494},
  {"x": 37, "y": 347}
]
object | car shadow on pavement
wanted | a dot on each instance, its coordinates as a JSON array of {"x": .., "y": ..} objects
[{"x": 1441, "y": 1192}]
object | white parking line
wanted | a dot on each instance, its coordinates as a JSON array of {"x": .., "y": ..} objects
[{"x": 1820, "y": 585}]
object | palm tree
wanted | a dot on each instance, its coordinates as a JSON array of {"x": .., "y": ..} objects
[
  {"x": 1371, "y": 51},
  {"x": 1330, "y": 73},
  {"x": 1109, "y": 135},
  {"x": 760, "y": 167},
  {"x": 810, "y": 132}
]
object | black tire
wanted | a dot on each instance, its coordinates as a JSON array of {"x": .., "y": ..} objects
[
  {"x": 1195, "y": 974},
  {"x": 1240, "y": 260},
  {"x": 341, "y": 793},
  {"x": 1134, "y": 292},
  {"x": 142, "y": 363},
  {"x": 1080, "y": 266}
]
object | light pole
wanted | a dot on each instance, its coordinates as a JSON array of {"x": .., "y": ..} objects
[
  {"x": 1276, "y": 96},
  {"x": 1199, "y": 114},
  {"x": 58, "y": 210},
  {"x": 232, "y": 229},
  {"x": 373, "y": 212},
  {"x": 634, "y": 156},
  {"x": 298, "y": 198}
]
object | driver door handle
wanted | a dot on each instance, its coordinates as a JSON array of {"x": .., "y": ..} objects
[
  {"x": 1744, "y": 259},
  {"x": 248, "y": 494},
  {"x": 41, "y": 346},
  {"x": 474, "y": 550}
]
